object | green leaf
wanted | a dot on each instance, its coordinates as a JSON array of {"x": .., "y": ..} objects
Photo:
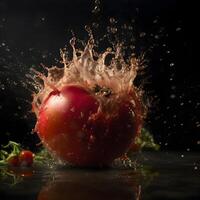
[
  {"x": 8, "y": 151},
  {"x": 146, "y": 140}
]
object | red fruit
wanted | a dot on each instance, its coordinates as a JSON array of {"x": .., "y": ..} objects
[
  {"x": 26, "y": 158},
  {"x": 78, "y": 127},
  {"x": 13, "y": 161}
]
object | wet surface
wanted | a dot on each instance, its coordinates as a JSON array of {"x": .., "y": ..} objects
[{"x": 161, "y": 176}]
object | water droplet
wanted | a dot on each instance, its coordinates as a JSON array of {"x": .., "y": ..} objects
[
  {"x": 133, "y": 39},
  {"x": 171, "y": 64},
  {"x": 178, "y": 29},
  {"x": 172, "y": 96},
  {"x": 95, "y": 25},
  {"x": 182, "y": 156},
  {"x": 92, "y": 139},
  {"x": 156, "y": 36},
  {"x": 108, "y": 29},
  {"x": 197, "y": 124},
  {"x": 44, "y": 56},
  {"x": 130, "y": 28},
  {"x": 195, "y": 168},
  {"x": 113, "y": 20},
  {"x": 72, "y": 109},
  {"x": 155, "y": 21},
  {"x": 113, "y": 30},
  {"x": 3, "y": 44},
  {"x": 2, "y": 86},
  {"x": 124, "y": 26},
  {"x": 82, "y": 114},
  {"x": 142, "y": 34},
  {"x": 96, "y": 7},
  {"x": 181, "y": 104},
  {"x": 168, "y": 52}
]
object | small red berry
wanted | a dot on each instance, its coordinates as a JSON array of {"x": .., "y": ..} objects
[{"x": 26, "y": 158}]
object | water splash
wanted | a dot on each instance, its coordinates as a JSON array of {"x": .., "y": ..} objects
[{"x": 89, "y": 69}]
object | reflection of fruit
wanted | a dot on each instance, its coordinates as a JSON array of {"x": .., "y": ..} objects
[
  {"x": 88, "y": 129},
  {"x": 76, "y": 191},
  {"x": 22, "y": 172},
  {"x": 89, "y": 186},
  {"x": 26, "y": 158},
  {"x": 13, "y": 175}
]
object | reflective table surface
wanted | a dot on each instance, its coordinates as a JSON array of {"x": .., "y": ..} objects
[{"x": 160, "y": 175}]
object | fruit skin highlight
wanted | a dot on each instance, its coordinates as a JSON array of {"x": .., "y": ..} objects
[{"x": 84, "y": 130}]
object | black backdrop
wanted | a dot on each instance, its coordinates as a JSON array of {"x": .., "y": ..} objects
[{"x": 32, "y": 32}]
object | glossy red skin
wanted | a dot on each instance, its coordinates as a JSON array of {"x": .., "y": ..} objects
[
  {"x": 69, "y": 128},
  {"x": 26, "y": 158}
]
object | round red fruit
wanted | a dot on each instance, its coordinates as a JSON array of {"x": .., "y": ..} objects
[
  {"x": 26, "y": 158},
  {"x": 85, "y": 128}
]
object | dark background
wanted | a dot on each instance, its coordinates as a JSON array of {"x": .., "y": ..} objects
[{"x": 32, "y": 32}]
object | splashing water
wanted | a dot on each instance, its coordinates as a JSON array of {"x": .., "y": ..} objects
[
  {"x": 106, "y": 74},
  {"x": 88, "y": 68}
]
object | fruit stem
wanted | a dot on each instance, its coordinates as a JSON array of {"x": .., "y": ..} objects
[
  {"x": 15, "y": 147},
  {"x": 3, "y": 163},
  {"x": 105, "y": 91}
]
